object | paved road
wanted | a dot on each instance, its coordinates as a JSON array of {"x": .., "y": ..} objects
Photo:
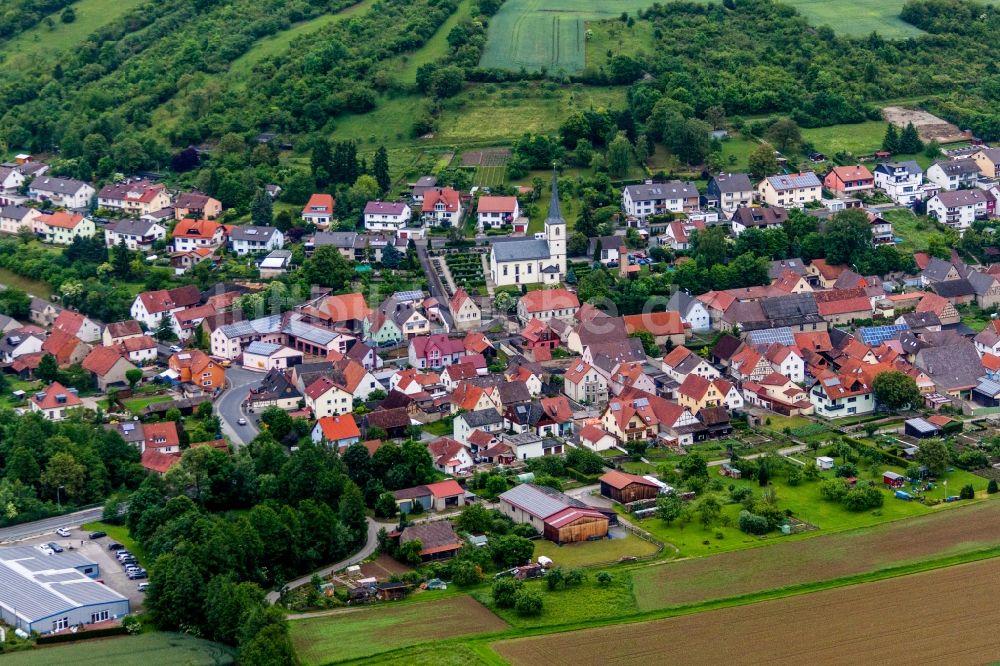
[
  {"x": 370, "y": 545},
  {"x": 229, "y": 406},
  {"x": 50, "y": 525},
  {"x": 437, "y": 290}
]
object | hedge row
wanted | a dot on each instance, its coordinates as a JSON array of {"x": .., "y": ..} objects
[{"x": 81, "y": 635}]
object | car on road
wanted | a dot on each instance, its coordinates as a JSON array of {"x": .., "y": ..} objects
[
  {"x": 142, "y": 587},
  {"x": 241, "y": 421},
  {"x": 63, "y": 532},
  {"x": 97, "y": 535},
  {"x": 54, "y": 547},
  {"x": 175, "y": 348}
]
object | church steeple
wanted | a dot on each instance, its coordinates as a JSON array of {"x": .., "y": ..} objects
[{"x": 555, "y": 214}]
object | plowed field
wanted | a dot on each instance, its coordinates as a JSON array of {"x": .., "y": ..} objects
[
  {"x": 949, "y": 532},
  {"x": 947, "y": 616}
]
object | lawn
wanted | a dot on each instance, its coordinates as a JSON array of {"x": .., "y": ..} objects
[
  {"x": 916, "y": 231},
  {"x": 138, "y": 404},
  {"x": 857, "y": 139},
  {"x": 736, "y": 153},
  {"x": 353, "y": 634},
  {"x": 120, "y": 534},
  {"x": 41, "y": 41},
  {"x": 592, "y": 553},
  {"x": 612, "y": 37},
  {"x": 276, "y": 44},
  {"x": 160, "y": 648},
  {"x": 436, "y": 47},
  {"x": 547, "y": 33}
]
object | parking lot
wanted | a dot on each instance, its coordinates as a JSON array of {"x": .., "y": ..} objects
[{"x": 112, "y": 573}]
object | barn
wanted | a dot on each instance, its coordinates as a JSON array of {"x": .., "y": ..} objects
[
  {"x": 624, "y": 488},
  {"x": 558, "y": 517}
]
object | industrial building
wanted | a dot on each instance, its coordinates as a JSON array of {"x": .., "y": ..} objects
[
  {"x": 46, "y": 592},
  {"x": 558, "y": 517}
]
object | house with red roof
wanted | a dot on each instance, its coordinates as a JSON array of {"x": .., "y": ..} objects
[
  {"x": 455, "y": 373},
  {"x": 546, "y": 304},
  {"x": 67, "y": 349},
  {"x": 787, "y": 360},
  {"x": 337, "y": 431},
  {"x": 584, "y": 384},
  {"x": 163, "y": 437},
  {"x": 442, "y": 206},
  {"x": 137, "y": 197},
  {"x": 435, "y": 351},
  {"x": 150, "y": 306},
  {"x": 636, "y": 415},
  {"x": 778, "y": 394},
  {"x": 158, "y": 462},
  {"x": 842, "y": 306},
  {"x": 466, "y": 313},
  {"x": 663, "y": 326},
  {"x": 450, "y": 456},
  {"x": 319, "y": 211},
  {"x": 839, "y": 395},
  {"x": 78, "y": 325},
  {"x": 119, "y": 331},
  {"x": 191, "y": 235},
  {"x": 678, "y": 234},
  {"x": 193, "y": 366},
  {"x": 538, "y": 334},
  {"x": 325, "y": 398},
  {"x": 697, "y": 393},
  {"x": 850, "y": 180},
  {"x": 62, "y": 227},
  {"x": 55, "y": 401},
  {"x": 596, "y": 439},
  {"x": 493, "y": 212},
  {"x": 139, "y": 350},
  {"x": 108, "y": 367},
  {"x": 432, "y": 496}
]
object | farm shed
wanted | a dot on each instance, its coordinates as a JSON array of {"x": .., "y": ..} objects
[
  {"x": 824, "y": 462},
  {"x": 438, "y": 540},
  {"x": 559, "y": 517},
  {"x": 893, "y": 480},
  {"x": 625, "y": 488},
  {"x": 920, "y": 428}
]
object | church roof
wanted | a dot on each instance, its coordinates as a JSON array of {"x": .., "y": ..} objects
[
  {"x": 555, "y": 214},
  {"x": 521, "y": 249}
]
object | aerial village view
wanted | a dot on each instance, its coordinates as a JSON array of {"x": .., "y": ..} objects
[{"x": 485, "y": 332}]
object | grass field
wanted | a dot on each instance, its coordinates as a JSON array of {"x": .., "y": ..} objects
[
  {"x": 41, "y": 41},
  {"x": 858, "y": 139},
  {"x": 138, "y": 404},
  {"x": 825, "y": 557},
  {"x": 589, "y": 553},
  {"x": 915, "y": 231},
  {"x": 612, "y": 37},
  {"x": 547, "y": 33},
  {"x": 160, "y": 648},
  {"x": 934, "y": 617},
  {"x": 277, "y": 43},
  {"x": 360, "y": 633},
  {"x": 435, "y": 48}
]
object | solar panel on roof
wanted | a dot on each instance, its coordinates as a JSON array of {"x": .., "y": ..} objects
[
  {"x": 413, "y": 295},
  {"x": 766, "y": 336},
  {"x": 642, "y": 402},
  {"x": 876, "y": 335},
  {"x": 831, "y": 381}
]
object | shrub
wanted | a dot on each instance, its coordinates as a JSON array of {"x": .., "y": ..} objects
[
  {"x": 863, "y": 497},
  {"x": 753, "y": 524},
  {"x": 992, "y": 487},
  {"x": 528, "y": 603},
  {"x": 574, "y": 577},
  {"x": 554, "y": 577},
  {"x": 972, "y": 460},
  {"x": 833, "y": 490},
  {"x": 794, "y": 476},
  {"x": 504, "y": 592},
  {"x": 740, "y": 494},
  {"x": 846, "y": 470},
  {"x": 603, "y": 578},
  {"x": 967, "y": 492}
]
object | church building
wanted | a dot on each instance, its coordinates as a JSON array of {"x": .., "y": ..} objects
[{"x": 532, "y": 260}]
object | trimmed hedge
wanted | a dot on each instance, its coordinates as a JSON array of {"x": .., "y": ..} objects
[
  {"x": 885, "y": 456},
  {"x": 581, "y": 477},
  {"x": 81, "y": 635}
]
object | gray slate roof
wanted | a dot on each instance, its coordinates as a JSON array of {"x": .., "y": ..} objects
[
  {"x": 482, "y": 417},
  {"x": 14, "y": 212},
  {"x": 252, "y": 233},
  {"x": 733, "y": 182},
  {"x": 954, "y": 288},
  {"x": 57, "y": 185},
  {"x": 981, "y": 282},
  {"x": 521, "y": 249},
  {"x": 909, "y": 166},
  {"x": 958, "y": 167},
  {"x": 674, "y": 189},
  {"x": 793, "y": 181},
  {"x": 937, "y": 270},
  {"x": 951, "y": 366},
  {"x": 131, "y": 227}
]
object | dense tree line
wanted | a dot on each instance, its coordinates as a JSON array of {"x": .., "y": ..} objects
[
  {"x": 219, "y": 529},
  {"x": 19, "y": 15}
]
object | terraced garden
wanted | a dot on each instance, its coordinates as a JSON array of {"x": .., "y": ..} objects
[{"x": 467, "y": 271}]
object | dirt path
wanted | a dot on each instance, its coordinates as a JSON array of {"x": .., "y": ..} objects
[{"x": 947, "y": 616}]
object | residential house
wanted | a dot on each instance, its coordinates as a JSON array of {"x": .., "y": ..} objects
[
  {"x": 641, "y": 201},
  {"x": 43, "y": 312},
  {"x": 192, "y": 235},
  {"x": 677, "y": 234},
  {"x": 757, "y": 217},
  {"x": 988, "y": 161},
  {"x": 539, "y": 335},
  {"x": 546, "y": 304},
  {"x": 605, "y": 249},
  {"x": 487, "y": 420},
  {"x": 20, "y": 342},
  {"x": 988, "y": 341},
  {"x": 77, "y": 324},
  {"x": 938, "y": 270},
  {"x": 395, "y": 422},
  {"x": 438, "y": 496},
  {"x": 135, "y": 197},
  {"x": 66, "y": 348},
  {"x": 693, "y": 312},
  {"x": 11, "y": 179},
  {"x": 277, "y": 389},
  {"x": 749, "y": 365},
  {"x": 265, "y": 356},
  {"x": 957, "y": 292},
  {"x": 274, "y": 264},
  {"x": 986, "y": 288},
  {"x": 665, "y": 327},
  {"x": 386, "y": 215},
  {"x": 842, "y": 306},
  {"x": 8, "y": 324},
  {"x": 325, "y": 398},
  {"x": 881, "y": 229},
  {"x": 196, "y": 205},
  {"x": 596, "y": 439},
  {"x": 61, "y": 227},
  {"x": 584, "y": 384},
  {"x": 697, "y": 393},
  {"x": 787, "y": 360},
  {"x": 825, "y": 275},
  {"x": 15, "y": 218},
  {"x": 319, "y": 211},
  {"x": 450, "y": 456},
  {"x": 793, "y": 190},
  {"x": 778, "y": 394},
  {"x": 150, "y": 306},
  {"x": 732, "y": 191},
  {"x": 162, "y": 437},
  {"x": 839, "y": 395},
  {"x": 108, "y": 367},
  {"x": 493, "y": 212},
  {"x": 952, "y": 175},
  {"x": 955, "y": 368},
  {"x": 901, "y": 181},
  {"x": 138, "y": 235},
  {"x": 442, "y": 206},
  {"x": 197, "y": 368},
  {"x": 338, "y": 432},
  {"x": 638, "y": 416},
  {"x": 62, "y": 192},
  {"x": 55, "y": 402},
  {"x": 422, "y": 186},
  {"x": 681, "y": 362},
  {"x": 960, "y": 208},
  {"x": 850, "y": 180},
  {"x": 558, "y": 410},
  {"x": 464, "y": 311},
  {"x": 435, "y": 351},
  {"x": 247, "y": 239},
  {"x": 141, "y": 350}
]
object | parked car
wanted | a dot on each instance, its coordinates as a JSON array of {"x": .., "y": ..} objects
[
  {"x": 63, "y": 532},
  {"x": 142, "y": 587},
  {"x": 122, "y": 553},
  {"x": 115, "y": 546},
  {"x": 97, "y": 535},
  {"x": 175, "y": 348},
  {"x": 54, "y": 547},
  {"x": 137, "y": 575},
  {"x": 242, "y": 421}
]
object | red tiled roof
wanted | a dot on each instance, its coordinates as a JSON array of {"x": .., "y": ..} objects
[
  {"x": 488, "y": 204},
  {"x": 159, "y": 462},
  {"x": 620, "y": 480},
  {"x": 197, "y": 229},
  {"x": 448, "y": 488},
  {"x": 161, "y": 435},
  {"x": 592, "y": 433},
  {"x": 50, "y": 397},
  {"x": 445, "y": 195},
  {"x": 544, "y": 300},
  {"x": 101, "y": 360},
  {"x": 557, "y": 408},
  {"x": 336, "y": 428},
  {"x": 62, "y": 219},
  {"x": 169, "y": 299},
  {"x": 122, "y": 329},
  {"x": 656, "y": 323},
  {"x": 319, "y": 203},
  {"x": 319, "y": 387},
  {"x": 61, "y": 345},
  {"x": 138, "y": 343},
  {"x": 69, "y": 322}
]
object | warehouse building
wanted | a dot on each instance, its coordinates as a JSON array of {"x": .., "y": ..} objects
[
  {"x": 558, "y": 517},
  {"x": 46, "y": 592}
]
